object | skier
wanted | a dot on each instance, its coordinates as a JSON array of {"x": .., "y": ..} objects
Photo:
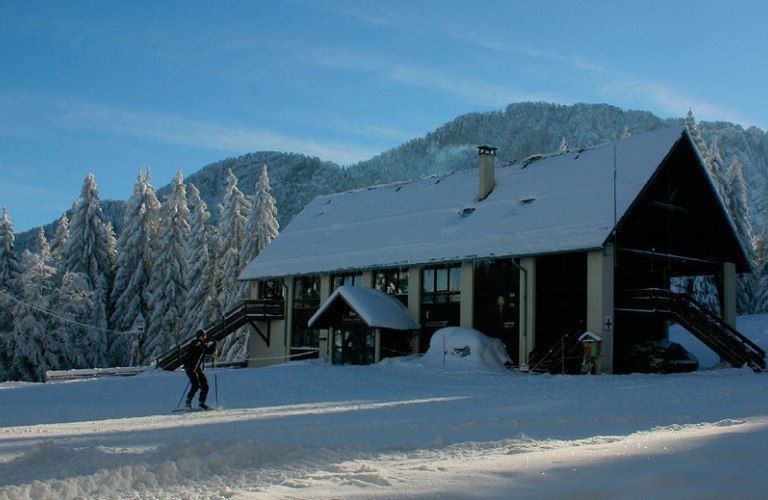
[{"x": 193, "y": 365}]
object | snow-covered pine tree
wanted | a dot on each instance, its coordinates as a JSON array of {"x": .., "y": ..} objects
[
  {"x": 737, "y": 204},
  {"x": 89, "y": 253},
  {"x": 703, "y": 288},
  {"x": 716, "y": 167},
  {"x": 761, "y": 273},
  {"x": 59, "y": 241},
  {"x": 42, "y": 248},
  {"x": 72, "y": 299},
  {"x": 10, "y": 267},
  {"x": 232, "y": 224},
  {"x": 705, "y": 292},
  {"x": 198, "y": 305},
  {"x": 693, "y": 129},
  {"x": 262, "y": 226},
  {"x": 168, "y": 286},
  {"x": 625, "y": 133},
  {"x": 29, "y": 347},
  {"x": 10, "y": 270},
  {"x": 136, "y": 253},
  {"x": 111, "y": 249}
]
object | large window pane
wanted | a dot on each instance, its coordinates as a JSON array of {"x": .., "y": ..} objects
[
  {"x": 455, "y": 279},
  {"x": 428, "y": 281},
  {"x": 441, "y": 280}
]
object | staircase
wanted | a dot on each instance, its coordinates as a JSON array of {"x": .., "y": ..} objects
[
  {"x": 246, "y": 312},
  {"x": 712, "y": 331},
  {"x": 561, "y": 356}
]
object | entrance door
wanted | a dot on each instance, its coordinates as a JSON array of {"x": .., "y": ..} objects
[
  {"x": 497, "y": 303},
  {"x": 353, "y": 346}
]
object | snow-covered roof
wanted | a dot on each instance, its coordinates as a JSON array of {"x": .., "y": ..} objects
[
  {"x": 376, "y": 308},
  {"x": 558, "y": 203}
]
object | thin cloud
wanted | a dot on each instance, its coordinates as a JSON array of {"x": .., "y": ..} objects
[
  {"x": 176, "y": 129},
  {"x": 623, "y": 89},
  {"x": 474, "y": 91},
  {"x": 614, "y": 85}
]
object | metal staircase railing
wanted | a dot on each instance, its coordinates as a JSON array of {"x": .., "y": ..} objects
[
  {"x": 242, "y": 314},
  {"x": 557, "y": 356},
  {"x": 712, "y": 331}
]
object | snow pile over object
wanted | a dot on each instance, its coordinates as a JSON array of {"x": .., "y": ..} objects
[{"x": 465, "y": 347}]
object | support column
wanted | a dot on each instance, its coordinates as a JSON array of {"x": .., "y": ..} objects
[
  {"x": 600, "y": 314},
  {"x": 414, "y": 301},
  {"x": 367, "y": 279},
  {"x": 527, "y": 331},
  {"x": 324, "y": 337},
  {"x": 467, "y": 304},
  {"x": 288, "y": 326},
  {"x": 730, "y": 288}
]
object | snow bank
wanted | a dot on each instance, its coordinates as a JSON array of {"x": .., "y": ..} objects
[
  {"x": 459, "y": 347},
  {"x": 404, "y": 428}
]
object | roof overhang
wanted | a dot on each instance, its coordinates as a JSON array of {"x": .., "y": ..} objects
[{"x": 374, "y": 308}]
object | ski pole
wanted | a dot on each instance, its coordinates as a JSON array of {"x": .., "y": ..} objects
[
  {"x": 215, "y": 376},
  {"x": 182, "y": 395}
]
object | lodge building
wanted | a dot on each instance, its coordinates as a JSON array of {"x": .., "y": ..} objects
[{"x": 536, "y": 253}]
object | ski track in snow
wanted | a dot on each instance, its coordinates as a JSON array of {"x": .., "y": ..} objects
[{"x": 397, "y": 430}]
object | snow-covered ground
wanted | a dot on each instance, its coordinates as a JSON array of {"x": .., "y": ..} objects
[{"x": 406, "y": 428}]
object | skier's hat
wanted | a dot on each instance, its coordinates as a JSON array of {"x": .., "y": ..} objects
[{"x": 200, "y": 333}]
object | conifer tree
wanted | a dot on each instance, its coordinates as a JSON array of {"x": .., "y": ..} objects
[
  {"x": 29, "y": 348},
  {"x": 10, "y": 267},
  {"x": 262, "y": 226},
  {"x": 168, "y": 287},
  {"x": 693, "y": 129},
  {"x": 705, "y": 292},
  {"x": 198, "y": 305},
  {"x": 761, "y": 273},
  {"x": 72, "y": 300},
  {"x": 232, "y": 224},
  {"x": 625, "y": 133},
  {"x": 10, "y": 270},
  {"x": 59, "y": 241},
  {"x": 42, "y": 248},
  {"x": 130, "y": 293},
  {"x": 90, "y": 253}
]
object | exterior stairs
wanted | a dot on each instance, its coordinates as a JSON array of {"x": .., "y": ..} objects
[
  {"x": 729, "y": 344},
  {"x": 246, "y": 312}
]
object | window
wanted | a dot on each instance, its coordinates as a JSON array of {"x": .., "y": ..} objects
[
  {"x": 306, "y": 301},
  {"x": 441, "y": 284},
  {"x": 271, "y": 289},
  {"x": 393, "y": 282},
  {"x": 349, "y": 279}
]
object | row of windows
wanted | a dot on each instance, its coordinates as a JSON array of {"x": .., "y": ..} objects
[
  {"x": 440, "y": 284},
  {"x": 435, "y": 280}
]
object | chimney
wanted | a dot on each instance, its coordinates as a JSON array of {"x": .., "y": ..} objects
[{"x": 487, "y": 160}]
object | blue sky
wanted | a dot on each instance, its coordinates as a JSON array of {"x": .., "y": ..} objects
[{"x": 109, "y": 87}]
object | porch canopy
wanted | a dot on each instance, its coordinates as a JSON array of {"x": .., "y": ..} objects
[{"x": 374, "y": 307}]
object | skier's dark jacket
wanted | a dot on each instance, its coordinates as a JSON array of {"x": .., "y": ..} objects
[{"x": 197, "y": 349}]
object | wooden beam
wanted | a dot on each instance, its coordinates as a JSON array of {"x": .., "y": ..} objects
[
  {"x": 669, "y": 207},
  {"x": 261, "y": 334},
  {"x": 667, "y": 256}
]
